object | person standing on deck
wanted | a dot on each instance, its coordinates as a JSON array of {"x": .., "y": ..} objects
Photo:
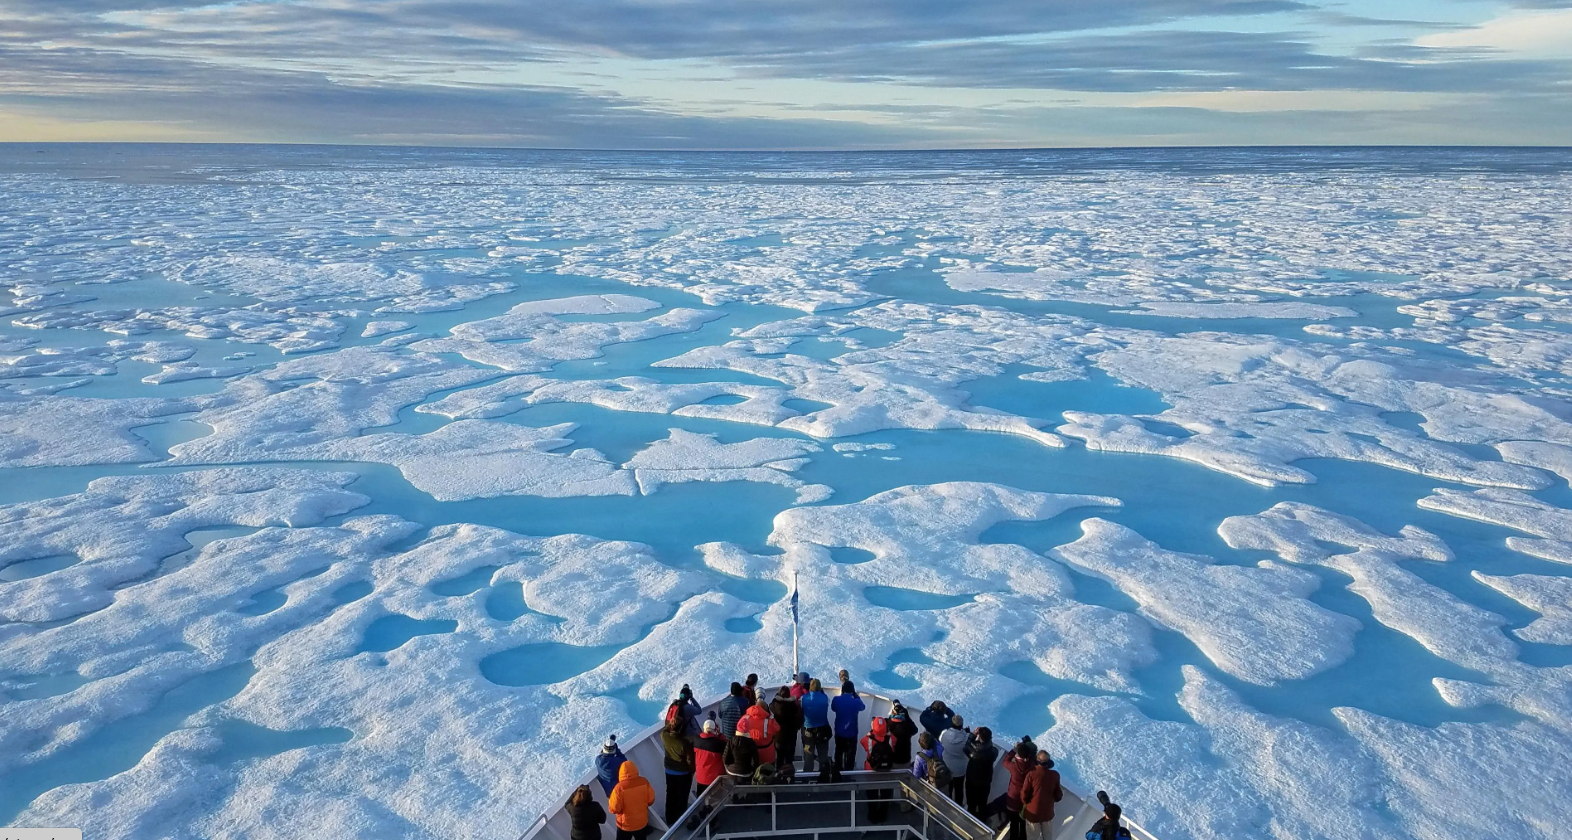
[
  {"x": 1038, "y": 794},
  {"x": 688, "y": 709},
  {"x": 608, "y": 763},
  {"x": 762, "y": 729},
  {"x": 799, "y": 686},
  {"x": 750, "y": 689},
  {"x": 902, "y": 730},
  {"x": 680, "y": 763},
  {"x": 816, "y": 728},
  {"x": 741, "y": 757},
  {"x": 788, "y": 716},
  {"x": 630, "y": 800},
  {"x": 878, "y": 746},
  {"x": 708, "y": 756},
  {"x": 1019, "y": 762},
  {"x": 847, "y": 706},
  {"x": 981, "y": 756},
  {"x": 953, "y": 740},
  {"x": 929, "y": 753},
  {"x": 732, "y": 708},
  {"x": 936, "y": 718},
  {"x": 1107, "y": 827},
  {"x": 586, "y": 815}
]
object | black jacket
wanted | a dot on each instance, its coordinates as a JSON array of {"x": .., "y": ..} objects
[
  {"x": 980, "y": 759},
  {"x": 587, "y": 820},
  {"x": 787, "y": 714},
  {"x": 741, "y": 757},
  {"x": 902, "y": 730}
]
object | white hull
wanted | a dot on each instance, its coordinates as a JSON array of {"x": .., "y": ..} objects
[{"x": 1074, "y": 815}]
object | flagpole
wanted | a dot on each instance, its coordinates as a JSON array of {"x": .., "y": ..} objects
[{"x": 795, "y": 670}]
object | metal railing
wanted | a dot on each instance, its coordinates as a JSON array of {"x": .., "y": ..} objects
[{"x": 911, "y": 810}]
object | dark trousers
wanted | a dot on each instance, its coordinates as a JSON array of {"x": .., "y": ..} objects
[
  {"x": 845, "y": 752},
  {"x": 977, "y": 798},
  {"x": 1012, "y": 817},
  {"x": 878, "y": 805},
  {"x": 677, "y": 787},
  {"x": 786, "y": 748},
  {"x": 957, "y": 789},
  {"x": 634, "y": 835}
]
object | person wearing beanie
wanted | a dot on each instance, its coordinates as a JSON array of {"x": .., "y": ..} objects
[
  {"x": 799, "y": 686},
  {"x": 981, "y": 756},
  {"x": 750, "y": 689},
  {"x": 1038, "y": 794},
  {"x": 732, "y": 708},
  {"x": 709, "y": 756},
  {"x": 788, "y": 717},
  {"x": 847, "y": 706},
  {"x": 608, "y": 763},
  {"x": 953, "y": 740},
  {"x": 816, "y": 731}
]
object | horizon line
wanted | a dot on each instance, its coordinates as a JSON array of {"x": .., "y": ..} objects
[{"x": 788, "y": 150}]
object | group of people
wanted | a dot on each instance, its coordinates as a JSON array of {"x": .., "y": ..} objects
[{"x": 753, "y": 739}]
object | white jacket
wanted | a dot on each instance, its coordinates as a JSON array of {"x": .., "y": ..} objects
[{"x": 954, "y": 742}]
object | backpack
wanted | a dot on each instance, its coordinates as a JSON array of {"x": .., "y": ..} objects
[
  {"x": 677, "y": 711},
  {"x": 881, "y": 756},
  {"x": 939, "y": 774}
]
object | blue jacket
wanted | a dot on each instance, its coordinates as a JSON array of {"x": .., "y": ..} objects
[
  {"x": 732, "y": 708},
  {"x": 815, "y": 709},
  {"x": 847, "y": 707},
  {"x": 936, "y": 721},
  {"x": 920, "y": 763},
  {"x": 607, "y": 765}
]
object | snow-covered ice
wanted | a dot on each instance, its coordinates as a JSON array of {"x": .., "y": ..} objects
[{"x": 366, "y": 499}]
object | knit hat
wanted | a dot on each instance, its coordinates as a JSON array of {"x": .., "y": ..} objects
[
  {"x": 610, "y": 746},
  {"x": 711, "y": 726}
]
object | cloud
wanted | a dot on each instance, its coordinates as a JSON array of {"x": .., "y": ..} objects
[
  {"x": 264, "y": 105},
  {"x": 1542, "y": 34},
  {"x": 771, "y": 73}
]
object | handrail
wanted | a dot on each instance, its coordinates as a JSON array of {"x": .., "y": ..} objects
[{"x": 935, "y": 805}]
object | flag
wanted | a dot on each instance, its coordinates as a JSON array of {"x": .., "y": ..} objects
[{"x": 793, "y": 599}]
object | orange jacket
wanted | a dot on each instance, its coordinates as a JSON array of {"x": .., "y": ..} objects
[
  {"x": 761, "y": 728},
  {"x": 631, "y": 799}
]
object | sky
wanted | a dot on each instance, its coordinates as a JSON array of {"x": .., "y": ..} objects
[{"x": 788, "y": 74}]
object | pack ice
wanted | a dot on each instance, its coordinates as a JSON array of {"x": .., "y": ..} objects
[{"x": 367, "y": 499}]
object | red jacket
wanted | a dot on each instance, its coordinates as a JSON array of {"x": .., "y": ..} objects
[
  {"x": 1039, "y": 792},
  {"x": 1019, "y": 768},
  {"x": 709, "y": 763}
]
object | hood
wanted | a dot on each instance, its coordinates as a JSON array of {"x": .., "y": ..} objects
[
  {"x": 629, "y": 771},
  {"x": 880, "y": 727},
  {"x": 755, "y": 713}
]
